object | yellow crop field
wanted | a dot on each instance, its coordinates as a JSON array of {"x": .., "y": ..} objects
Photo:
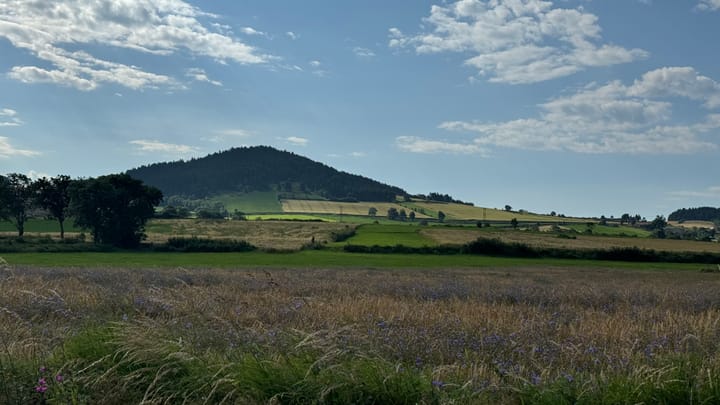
[
  {"x": 344, "y": 208},
  {"x": 461, "y": 211}
]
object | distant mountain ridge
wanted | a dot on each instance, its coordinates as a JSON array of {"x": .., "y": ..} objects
[{"x": 260, "y": 168}]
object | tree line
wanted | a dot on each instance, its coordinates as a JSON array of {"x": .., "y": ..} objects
[
  {"x": 113, "y": 208},
  {"x": 695, "y": 214}
]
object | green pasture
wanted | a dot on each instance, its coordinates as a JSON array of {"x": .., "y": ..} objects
[
  {"x": 253, "y": 202},
  {"x": 310, "y": 259},
  {"x": 40, "y": 226},
  {"x": 606, "y": 230}
]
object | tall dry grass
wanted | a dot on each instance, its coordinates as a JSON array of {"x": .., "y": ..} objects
[{"x": 550, "y": 335}]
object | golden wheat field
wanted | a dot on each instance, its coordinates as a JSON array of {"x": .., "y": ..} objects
[
  {"x": 461, "y": 236},
  {"x": 495, "y": 335}
]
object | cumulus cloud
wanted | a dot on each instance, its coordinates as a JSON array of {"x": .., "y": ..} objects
[
  {"x": 8, "y": 150},
  {"x": 292, "y": 35},
  {"x": 143, "y": 145},
  {"x": 610, "y": 118},
  {"x": 709, "y": 5},
  {"x": 52, "y": 32},
  {"x": 9, "y": 118},
  {"x": 200, "y": 76},
  {"x": 297, "y": 141},
  {"x": 516, "y": 42}
]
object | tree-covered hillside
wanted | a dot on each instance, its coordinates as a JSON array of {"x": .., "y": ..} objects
[
  {"x": 260, "y": 168},
  {"x": 695, "y": 214}
]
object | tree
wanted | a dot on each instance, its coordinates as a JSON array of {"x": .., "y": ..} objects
[
  {"x": 658, "y": 226},
  {"x": 508, "y": 208},
  {"x": 114, "y": 208},
  {"x": 392, "y": 213},
  {"x": 372, "y": 211},
  {"x": 54, "y": 195},
  {"x": 514, "y": 223},
  {"x": 441, "y": 216},
  {"x": 16, "y": 199},
  {"x": 625, "y": 218},
  {"x": 403, "y": 215},
  {"x": 412, "y": 216}
]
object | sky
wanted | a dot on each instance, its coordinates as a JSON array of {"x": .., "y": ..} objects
[{"x": 585, "y": 107}]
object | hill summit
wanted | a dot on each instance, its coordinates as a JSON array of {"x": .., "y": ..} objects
[{"x": 261, "y": 168}]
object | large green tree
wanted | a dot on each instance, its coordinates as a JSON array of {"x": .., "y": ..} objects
[
  {"x": 114, "y": 208},
  {"x": 54, "y": 195},
  {"x": 16, "y": 200}
]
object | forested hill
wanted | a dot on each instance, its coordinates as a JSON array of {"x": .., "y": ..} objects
[
  {"x": 696, "y": 214},
  {"x": 260, "y": 168}
]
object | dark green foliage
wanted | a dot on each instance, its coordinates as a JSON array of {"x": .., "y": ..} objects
[
  {"x": 695, "y": 214},
  {"x": 441, "y": 216},
  {"x": 16, "y": 199},
  {"x": 260, "y": 168},
  {"x": 211, "y": 214},
  {"x": 114, "y": 208},
  {"x": 439, "y": 197},
  {"x": 54, "y": 195},
  {"x": 393, "y": 214},
  {"x": 497, "y": 247},
  {"x": 342, "y": 236},
  {"x": 205, "y": 245},
  {"x": 172, "y": 212}
]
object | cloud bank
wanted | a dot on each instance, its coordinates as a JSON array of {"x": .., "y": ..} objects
[
  {"x": 55, "y": 31},
  {"x": 516, "y": 42},
  {"x": 612, "y": 118}
]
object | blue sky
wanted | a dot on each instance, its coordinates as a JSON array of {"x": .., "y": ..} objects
[{"x": 581, "y": 107}]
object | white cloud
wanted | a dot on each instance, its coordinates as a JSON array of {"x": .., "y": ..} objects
[
  {"x": 421, "y": 145},
  {"x": 37, "y": 175},
  {"x": 710, "y": 192},
  {"x": 168, "y": 148},
  {"x": 251, "y": 31},
  {"x": 516, "y": 42},
  {"x": 229, "y": 135},
  {"x": 678, "y": 82},
  {"x": 292, "y": 35},
  {"x": 363, "y": 52},
  {"x": 708, "y": 5},
  {"x": 295, "y": 140},
  {"x": 358, "y": 154},
  {"x": 9, "y": 118},
  {"x": 200, "y": 76},
  {"x": 315, "y": 63},
  {"x": 7, "y": 150},
  {"x": 612, "y": 118},
  {"x": 48, "y": 29}
]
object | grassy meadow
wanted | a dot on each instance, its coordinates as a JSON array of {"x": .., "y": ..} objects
[{"x": 337, "y": 335}]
